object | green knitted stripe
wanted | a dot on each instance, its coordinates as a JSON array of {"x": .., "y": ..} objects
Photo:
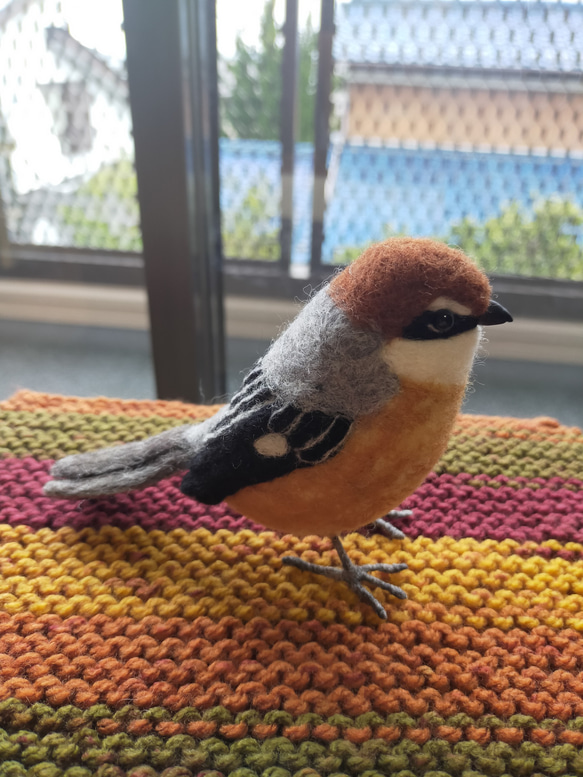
[
  {"x": 57, "y": 754},
  {"x": 129, "y": 738},
  {"x": 46, "y": 435},
  {"x": 493, "y": 455},
  {"x": 15, "y": 714}
]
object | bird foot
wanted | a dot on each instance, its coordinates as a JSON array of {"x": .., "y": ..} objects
[
  {"x": 355, "y": 576},
  {"x": 386, "y": 527}
]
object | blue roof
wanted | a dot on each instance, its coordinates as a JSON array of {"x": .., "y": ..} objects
[
  {"x": 254, "y": 166},
  {"x": 424, "y": 192},
  {"x": 488, "y": 34},
  {"x": 414, "y": 191}
]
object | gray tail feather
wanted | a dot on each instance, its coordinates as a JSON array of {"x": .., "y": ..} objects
[{"x": 125, "y": 467}]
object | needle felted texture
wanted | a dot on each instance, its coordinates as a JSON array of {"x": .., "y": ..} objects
[
  {"x": 145, "y": 634},
  {"x": 410, "y": 262},
  {"x": 322, "y": 362}
]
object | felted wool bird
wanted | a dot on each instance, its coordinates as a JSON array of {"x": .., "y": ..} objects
[{"x": 343, "y": 417}]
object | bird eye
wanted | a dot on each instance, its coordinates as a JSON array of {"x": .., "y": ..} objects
[{"x": 443, "y": 321}]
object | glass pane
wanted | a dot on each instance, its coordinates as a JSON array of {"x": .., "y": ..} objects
[
  {"x": 250, "y": 44},
  {"x": 68, "y": 177},
  {"x": 462, "y": 121},
  {"x": 67, "y": 181}
]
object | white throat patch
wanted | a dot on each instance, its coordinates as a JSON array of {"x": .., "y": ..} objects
[{"x": 447, "y": 362}]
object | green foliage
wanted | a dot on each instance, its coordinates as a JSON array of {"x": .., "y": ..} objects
[
  {"x": 347, "y": 254},
  {"x": 252, "y": 107},
  {"x": 248, "y": 230},
  {"x": 307, "y": 81},
  {"x": 544, "y": 243},
  {"x": 118, "y": 178},
  {"x": 90, "y": 228}
]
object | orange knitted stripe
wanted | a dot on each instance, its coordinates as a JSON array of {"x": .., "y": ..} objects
[
  {"x": 299, "y": 668},
  {"x": 33, "y": 401}
]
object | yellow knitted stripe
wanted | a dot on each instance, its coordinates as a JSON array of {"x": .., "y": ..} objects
[{"x": 190, "y": 574}]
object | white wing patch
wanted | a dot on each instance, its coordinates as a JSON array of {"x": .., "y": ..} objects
[{"x": 272, "y": 445}]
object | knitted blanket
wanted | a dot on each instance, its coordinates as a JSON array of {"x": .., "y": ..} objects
[{"x": 145, "y": 634}]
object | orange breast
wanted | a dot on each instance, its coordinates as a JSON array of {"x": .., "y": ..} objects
[{"x": 385, "y": 458}]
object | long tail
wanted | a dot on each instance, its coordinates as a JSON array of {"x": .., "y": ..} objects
[{"x": 129, "y": 466}]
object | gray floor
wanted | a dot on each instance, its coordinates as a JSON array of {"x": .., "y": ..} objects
[{"x": 86, "y": 361}]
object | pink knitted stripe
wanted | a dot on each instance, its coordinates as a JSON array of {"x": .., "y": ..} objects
[
  {"x": 496, "y": 508},
  {"x": 454, "y": 505},
  {"x": 161, "y": 506}
]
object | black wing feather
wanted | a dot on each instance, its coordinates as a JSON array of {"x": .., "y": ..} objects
[{"x": 229, "y": 460}]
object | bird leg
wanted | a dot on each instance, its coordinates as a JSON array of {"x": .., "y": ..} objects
[
  {"x": 385, "y": 527},
  {"x": 354, "y": 576}
]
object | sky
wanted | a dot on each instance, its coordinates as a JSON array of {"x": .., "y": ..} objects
[{"x": 97, "y": 24}]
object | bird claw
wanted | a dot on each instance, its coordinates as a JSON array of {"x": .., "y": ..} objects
[
  {"x": 386, "y": 527},
  {"x": 354, "y": 576},
  {"x": 400, "y": 513}
]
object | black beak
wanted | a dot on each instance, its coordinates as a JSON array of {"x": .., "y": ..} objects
[{"x": 496, "y": 314}]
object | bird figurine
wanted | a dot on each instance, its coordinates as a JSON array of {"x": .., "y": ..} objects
[{"x": 340, "y": 420}]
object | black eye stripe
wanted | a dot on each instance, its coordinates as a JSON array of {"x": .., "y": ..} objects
[{"x": 438, "y": 325}]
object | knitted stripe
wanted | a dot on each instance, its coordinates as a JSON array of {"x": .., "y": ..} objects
[
  {"x": 146, "y": 634},
  {"x": 190, "y": 574},
  {"x": 281, "y": 756},
  {"x": 162, "y": 506},
  {"x": 219, "y": 721},
  {"x": 56, "y": 404},
  {"x": 51, "y": 436},
  {"x": 414, "y": 669},
  {"x": 457, "y": 506},
  {"x": 478, "y": 446}
]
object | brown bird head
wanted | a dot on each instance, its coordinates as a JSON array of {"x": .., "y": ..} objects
[
  {"x": 393, "y": 283},
  {"x": 427, "y": 300}
]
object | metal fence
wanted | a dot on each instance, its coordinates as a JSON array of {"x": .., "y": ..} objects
[{"x": 458, "y": 119}]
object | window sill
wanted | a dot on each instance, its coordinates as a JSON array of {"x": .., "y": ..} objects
[{"x": 260, "y": 318}]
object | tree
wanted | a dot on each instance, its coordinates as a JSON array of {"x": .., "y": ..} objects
[
  {"x": 107, "y": 215},
  {"x": 544, "y": 241},
  {"x": 307, "y": 81},
  {"x": 251, "y": 106},
  {"x": 250, "y": 230}
]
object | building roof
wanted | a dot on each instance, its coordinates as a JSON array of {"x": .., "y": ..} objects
[
  {"x": 89, "y": 64},
  {"x": 13, "y": 8},
  {"x": 515, "y": 35}
]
